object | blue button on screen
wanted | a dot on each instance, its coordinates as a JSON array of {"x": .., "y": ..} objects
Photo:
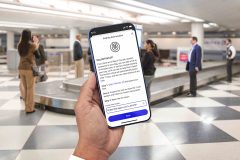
[{"x": 128, "y": 115}]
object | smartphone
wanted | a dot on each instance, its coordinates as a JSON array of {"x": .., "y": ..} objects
[{"x": 117, "y": 65}]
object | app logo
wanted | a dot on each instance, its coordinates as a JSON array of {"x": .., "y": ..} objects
[{"x": 115, "y": 46}]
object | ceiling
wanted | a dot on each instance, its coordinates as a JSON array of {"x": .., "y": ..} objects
[{"x": 221, "y": 12}]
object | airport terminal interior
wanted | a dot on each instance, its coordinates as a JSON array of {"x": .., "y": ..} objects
[{"x": 202, "y": 125}]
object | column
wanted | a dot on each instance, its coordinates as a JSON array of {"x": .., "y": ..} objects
[
  {"x": 10, "y": 40},
  {"x": 198, "y": 31},
  {"x": 72, "y": 38},
  {"x": 12, "y": 54}
]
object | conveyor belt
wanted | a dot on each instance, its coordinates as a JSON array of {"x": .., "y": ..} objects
[{"x": 61, "y": 96}]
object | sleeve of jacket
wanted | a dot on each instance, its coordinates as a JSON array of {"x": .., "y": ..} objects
[
  {"x": 37, "y": 54},
  {"x": 43, "y": 53},
  {"x": 198, "y": 57}
]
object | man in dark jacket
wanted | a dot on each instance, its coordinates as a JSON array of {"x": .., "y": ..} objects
[
  {"x": 194, "y": 65},
  {"x": 78, "y": 57}
]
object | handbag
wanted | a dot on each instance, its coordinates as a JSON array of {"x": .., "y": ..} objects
[
  {"x": 35, "y": 71},
  {"x": 43, "y": 77}
]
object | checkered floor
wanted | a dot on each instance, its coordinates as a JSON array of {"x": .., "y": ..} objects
[{"x": 203, "y": 128}]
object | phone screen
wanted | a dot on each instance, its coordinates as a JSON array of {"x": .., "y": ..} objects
[{"x": 120, "y": 78}]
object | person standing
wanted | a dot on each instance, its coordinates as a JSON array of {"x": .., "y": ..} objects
[
  {"x": 231, "y": 53},
  {"x": 148, "y": 65},
  {"x": 78, "y": 57},
  {"x": 42, "y": 60},
  {"x": 194, "y": 65},
  {"x": 26, "y": 51}
]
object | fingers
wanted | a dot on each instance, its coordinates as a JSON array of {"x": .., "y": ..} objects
[
  {"x": 96, "y": 97},
  {"x": 91, "y": 82},
  {"x": 87, "y": 90},
  {"x": 88, "y": 86}
]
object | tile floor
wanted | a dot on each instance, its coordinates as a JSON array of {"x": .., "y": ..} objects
[{"x": 203, "y": 128}]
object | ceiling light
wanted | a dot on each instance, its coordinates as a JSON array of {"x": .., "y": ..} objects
[
  {"x": 174, "y": 33},
  {"x": 17, "y": 26},
  {"x": 78, "y": 7},
  {"x": 213, "y": 24},
  {"x": 185, "y": 21},
  {"x": 59, "y": 13},
  {"x": 205, "y": 25},
  {"x": 151, "y": 19},
  {"x": 27, "y": 25},
  {"x": 161, "y": 10},
  {"x": 143, "y": 11},
  {"x": 37, "y": 3},
  {"x": 2, "y": 31},
  {"x": 143, "y": 20}
]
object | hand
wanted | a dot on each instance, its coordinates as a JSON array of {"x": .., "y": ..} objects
[
  {"x": 96, "y": 140},
  {"x": 36, "y": 44},
  {"x": 196, "y": 69}
]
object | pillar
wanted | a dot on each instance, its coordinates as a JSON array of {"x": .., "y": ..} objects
[
  {"x": 12, "y": 54},
  {"x": 10, "y": 40}
]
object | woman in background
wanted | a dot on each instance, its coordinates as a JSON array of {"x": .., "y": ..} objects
[
  {"x": 148, "y": 65},
  {"x": 26, "y": 51}
]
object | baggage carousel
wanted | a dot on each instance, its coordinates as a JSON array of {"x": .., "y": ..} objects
[{"x": 61, "y": 96}]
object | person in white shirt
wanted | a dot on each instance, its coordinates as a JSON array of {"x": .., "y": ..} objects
[
  {"x": 231, "y": 53},
  {"x": 96, "y": 140}
]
